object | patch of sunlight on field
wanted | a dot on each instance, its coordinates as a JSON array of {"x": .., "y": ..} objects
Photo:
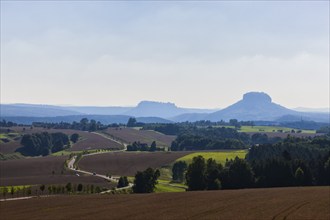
[
  {"x": 166, "y": 186},
  {"x": 15, "y": 188},
  {"x": 219, "y": 156}
]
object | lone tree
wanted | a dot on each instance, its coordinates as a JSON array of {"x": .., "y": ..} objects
[
  {"x": 74, "y": 137},
  {"x": 68, "y": 187},
  {"x": 178, "y": 170},
  {"x": 4, "y": 191},
  {"x": 131, "y": 122},
  {"x": 153, "y": 146},
  {"x": 80, "y": 187},
  {"x": 123, "y": 182},
  {"x": 12, "y": 190},
  {"x": 299, "y": 176},
  {"x": 145, "y": 182},
  {"x": 42, "y": 188}
]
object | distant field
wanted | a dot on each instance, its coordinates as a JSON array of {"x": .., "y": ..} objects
[
  {"x": 270, "y": 129},
  {"x": 219, "y": 156},
  {"x": 87, "y": 141},
  {"x": 129, "y": 135},
  {"x": 300, "y": 203},
  {"x": 127, "y": 163}
]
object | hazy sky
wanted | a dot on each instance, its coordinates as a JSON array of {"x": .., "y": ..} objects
[{"x": 195, "y": 54}]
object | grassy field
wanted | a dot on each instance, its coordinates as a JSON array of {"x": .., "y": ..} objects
[
  {"x": 167, "y": 186},
  {"x": 270, "y": 129},
  {"x": 15, "y": 188},
  {"x": 219, "y": 156},
  {"x": 300, "y": 203}
]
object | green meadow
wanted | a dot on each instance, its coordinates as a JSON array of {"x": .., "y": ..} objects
[
  {"x": 269, "y": 129},
  {"x": 219, "y": 156}
]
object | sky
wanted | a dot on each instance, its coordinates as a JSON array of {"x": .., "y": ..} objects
[{"x": 193, "y": 53}]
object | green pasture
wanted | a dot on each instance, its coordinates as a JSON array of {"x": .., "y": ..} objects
[
  {"x": 269, "y": 129},
  {"x": 7, "y": 137},
  {"x": 219, "y": 156},
  {"x": 15, "y": 188},
  {"x": 167, "y": 186}
]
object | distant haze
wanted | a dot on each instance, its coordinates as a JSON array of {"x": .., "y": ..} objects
[{"x": 194, "y": 54}]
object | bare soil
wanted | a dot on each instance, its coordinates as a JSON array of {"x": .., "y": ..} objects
[
  {"x": 128, "y": 163},
  {"x": 129, "y": 135},
  {"x": 276, "y": 203},
  {"x": 40, "y": 171}
]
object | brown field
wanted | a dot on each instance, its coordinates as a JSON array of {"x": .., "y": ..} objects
[
  {"x": 39, "y": 171},
  {"x": 129, "y": 135},
  {"x": 276, "y": 203},
  {"x": 9, "y": 147},
  {"x": 128, "y": 163},
  {"x": 87, "y": 140}
]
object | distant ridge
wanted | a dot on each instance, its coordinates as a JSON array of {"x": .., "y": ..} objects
[
  {"x": 254, "y": 106},
  {"x": 258, "y": 106},
  {"x": 104, "y": 119}
]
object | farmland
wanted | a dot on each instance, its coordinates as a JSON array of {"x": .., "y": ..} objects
[
  {"x": 127, "y": 163},
  {"x": 87, "y": 141},
  {"x": 271, "y": 129},
  {"x": 219, "y": 156},
  {"x": 275, "y": 203},
  {"x": 129, "y": 135},
  {"x": 41, "y": 170}
]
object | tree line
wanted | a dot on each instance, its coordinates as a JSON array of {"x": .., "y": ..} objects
[
  {"x": 138, "y": 146},
  {"x": 52, "y": 189},
  {"x": 209, "y": 138},
  {"x": 84, "y": 125},
  {"x": 45, "y": 143},
  {"x": 293, "y": 162}
]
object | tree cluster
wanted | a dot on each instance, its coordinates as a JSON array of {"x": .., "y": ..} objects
[
  {"x": 209, "y": 175},
  {"x": 137, "y": 146},
  {"x": 74, "y": 137},
  {"x": 133, "y": 123},
  {"x": 178, "y": 171},
  {"x": 123, "y": 182},
  {"x": 43, "y": 143},
  {"x": 145, "y": 181},
  {"x": 295, "y": 161},
  {"x": 182, "y": 127},
  {"x": 84, "y": 125},
  {"x": 210, "y": 138},
  {"x": 7, "y": 124}
]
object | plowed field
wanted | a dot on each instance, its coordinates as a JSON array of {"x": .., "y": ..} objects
[
  {"x": 127, "y": 163},
  {"x": 129, "y": 135},
  {"x": 40, "y": 171},
  {"x": 277, "y": 203}
]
